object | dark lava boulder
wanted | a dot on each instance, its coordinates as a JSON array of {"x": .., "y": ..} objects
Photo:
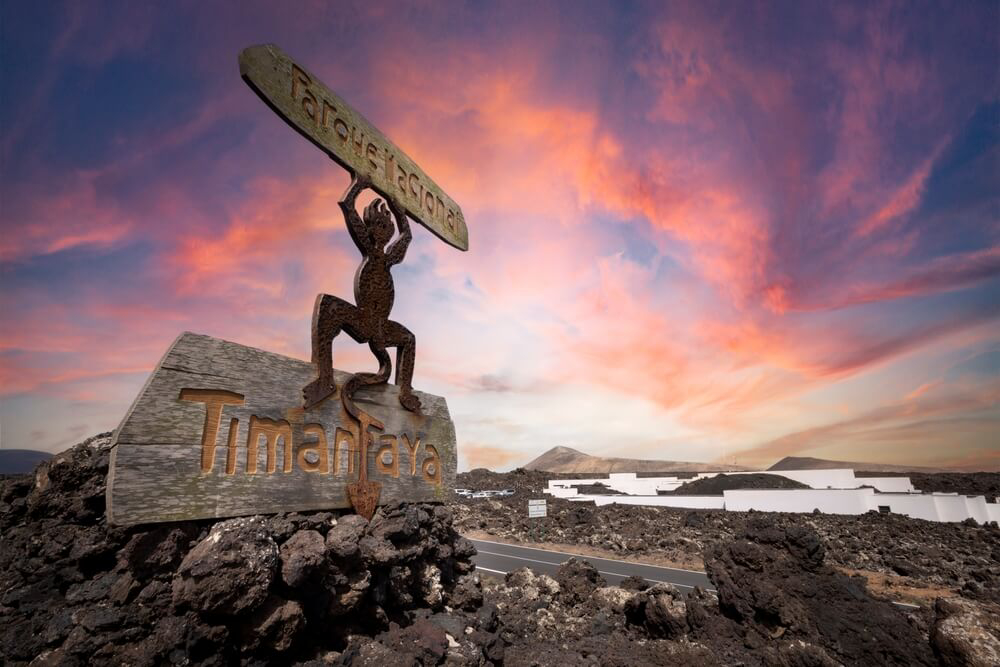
[
  {"x": 577, "y": 580},
  {"x": 230, "y": 571},
  {"x": 773, "y": 581}
]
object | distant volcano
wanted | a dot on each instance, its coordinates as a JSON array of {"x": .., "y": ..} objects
[
  {"x": 567, "y": 459},
  {"x": 810, "y": 463},
  {"x": 21, "y": 461}
]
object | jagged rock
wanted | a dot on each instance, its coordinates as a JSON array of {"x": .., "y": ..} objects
[
  {"x": 774, "y": 582},
  {"x": 577, "y": 580},
  {"x": 966, "y": 633},
  {"x": 157, "y": 549},
  {"x": 634, "y": 583},
  {"x": 660, "y": 610},
  {"x": 302, "y": 555},
  {"x": 423, "y": 643},
  {"x": 532, "y": 586},
  {"x": 348, "y": 591},
  {"x": 613, "y": 598},
  {"x": 431, "y": 589},
  {"x": 467, "y": 593},
  {"x": 342, "y": 540},
  {"x": 229, "y": 572},
  {"x": 275, "y": 625}
]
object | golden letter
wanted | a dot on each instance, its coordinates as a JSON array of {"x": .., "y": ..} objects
[
  {"x": 298, "y": 76},
  {"x": 340, "y": 127},
  {"x": 327, "y": 108},
  {"x": 358, "y": 142},
  {"x": 311, "y": 106},
  {"x": 391, "y": 468},
  {"x": 271, "y": 430},
  {"x": 234, "y": 428},
  {"x": 323, "y": 464},
  {"x": 213, "y": 399},
  {"x": 413, "y": 451},
  {"x": 390, "y": 167},
  {"x": 431, "y": 466},
  {"x": 352, "y": 446}
]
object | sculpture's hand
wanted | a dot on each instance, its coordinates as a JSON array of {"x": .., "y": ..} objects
[{"x": 360, "y": 181}]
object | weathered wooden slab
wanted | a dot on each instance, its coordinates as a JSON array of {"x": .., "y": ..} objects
[
  {"x": 218, "y": 430},
  {"x": 324, "y": 118}
]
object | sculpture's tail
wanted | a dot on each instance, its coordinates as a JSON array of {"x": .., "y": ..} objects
[{"x": 363, "y": 494}]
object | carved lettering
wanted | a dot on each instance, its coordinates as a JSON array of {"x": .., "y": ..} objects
[
  {"x": 340, "y": 127},
  {"x": 391, "y": 448},
  {"x": 318, "y": 447},
  {"x": 327, "y": 108},
  {"x": 312, "y": 107},
  {"x": 390, "y": 167},
  {"x": 298, "y": 77},
  {"x": 357, "y": 140},
  {"x": 412, "y": 449},
  {"x": 234, "y": 429},
  {"x": 214, "y": 400},
  {"x": 271, "y": 430},
  {"x": 339, "y": 436},
  {"x": 401, "y": 180},
  {"x": 431, "y": 467}
]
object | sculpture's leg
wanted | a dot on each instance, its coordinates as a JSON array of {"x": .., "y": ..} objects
[
  {"x": 330, "y": 315},
  {"x": 359, "y": 380},
  {"x": 406, "y": 349}
]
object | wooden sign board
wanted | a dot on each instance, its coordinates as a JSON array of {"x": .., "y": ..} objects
[
  {"x": 218, "y": 430},
  {"x": 324, "y": 118}
]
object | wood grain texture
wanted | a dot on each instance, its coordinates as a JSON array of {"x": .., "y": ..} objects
[
  {"x": 323, "y": 117},
  {"x": 161, "y": 470}
]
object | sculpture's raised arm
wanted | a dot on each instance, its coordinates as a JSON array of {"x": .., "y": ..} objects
[
  {"x": 397, "y": 251},
  {"x": 355, "y": 226}
]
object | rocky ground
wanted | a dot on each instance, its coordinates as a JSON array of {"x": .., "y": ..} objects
[
  {"x": 894, "y": 550},
  {"x": 333, "y": 589}
]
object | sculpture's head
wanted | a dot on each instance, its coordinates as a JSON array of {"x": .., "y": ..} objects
[{"x": 379, "y": 223}]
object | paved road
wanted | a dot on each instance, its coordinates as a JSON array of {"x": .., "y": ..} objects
[{"x": 497, "y": 558}]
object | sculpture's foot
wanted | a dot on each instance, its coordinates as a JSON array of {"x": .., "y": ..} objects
[
  {"x": 409, "y": 401},
  {"x": 317, "y": 391}
]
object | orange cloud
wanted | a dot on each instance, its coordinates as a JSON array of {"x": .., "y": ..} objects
[{"x": 486, "y": 456}]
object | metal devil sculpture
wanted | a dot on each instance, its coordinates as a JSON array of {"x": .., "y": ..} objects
[{"x": 374, "y": 162}]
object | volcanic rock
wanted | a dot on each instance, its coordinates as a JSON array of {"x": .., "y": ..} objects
[
  {"x": 230, "y": 571},
  {"x": 774, "y": 582},
  {"x": 578, "y": 579},
  {"x": 966, "y": 633}
]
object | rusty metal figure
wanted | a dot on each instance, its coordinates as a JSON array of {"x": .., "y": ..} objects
[{"x": 368, "y": 321}]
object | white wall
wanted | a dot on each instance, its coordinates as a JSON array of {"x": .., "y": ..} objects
[
  {"x": 849, "y": 501},
  {"x": 993, "y": 512},
  {"x": 912, "y": 505},
  {"x": 896, "y": 493},
  {"x": 888, "y": 484},
  {"x": 690, "y": 502}
]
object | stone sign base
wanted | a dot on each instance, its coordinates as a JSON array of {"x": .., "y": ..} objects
[{"x": 219, "y": 430}]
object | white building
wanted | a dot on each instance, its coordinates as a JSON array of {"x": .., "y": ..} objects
[{"x": 834, "y": 491}]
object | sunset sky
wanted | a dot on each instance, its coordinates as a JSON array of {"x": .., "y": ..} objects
[{"x": 698, "y": 231}]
